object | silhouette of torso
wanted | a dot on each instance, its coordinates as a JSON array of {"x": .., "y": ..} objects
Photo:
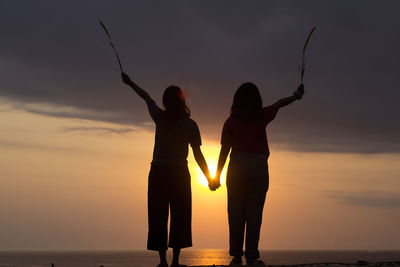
[
  {"x": 172, "y": 137},
  {"x": 248, "y": 136}
]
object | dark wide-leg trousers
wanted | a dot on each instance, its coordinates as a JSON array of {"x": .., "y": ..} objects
[
  {"x": 169, "y": 189},
  {"x": 247, "y": 184}
]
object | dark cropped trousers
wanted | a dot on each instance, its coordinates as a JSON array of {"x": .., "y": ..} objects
[
  {"x": 169, "y": 190},
  {"x": 247, "y": 184}
]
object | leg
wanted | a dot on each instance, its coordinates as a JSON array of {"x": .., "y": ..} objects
[
  {"x": 257, "y": 190},
  {"x": 157, "y": 212},
  {"x": 163, "y": 257},
  {"x": 175, "y": 258},
  {"x": 236, "y": 210},
  {"x": 181, "y": 209}
]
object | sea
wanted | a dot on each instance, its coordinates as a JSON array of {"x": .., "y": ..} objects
[{"x": 188, "y": 257}]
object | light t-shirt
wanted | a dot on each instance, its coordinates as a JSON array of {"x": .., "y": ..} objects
[
  {"x": 172, "y": 138},
  {"x": 248, "y": 136}
]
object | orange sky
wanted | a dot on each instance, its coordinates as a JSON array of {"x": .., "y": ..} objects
[{"x": 64, "y": 189}]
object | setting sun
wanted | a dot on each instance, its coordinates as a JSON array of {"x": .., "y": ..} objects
[
  {"x": 211, "y": 154},
  {"x": 200, "y": 176}
]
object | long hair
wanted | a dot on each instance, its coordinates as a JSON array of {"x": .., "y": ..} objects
[
  {"x": 174, "y": 103},
  {"x": 247, "y": 103}
]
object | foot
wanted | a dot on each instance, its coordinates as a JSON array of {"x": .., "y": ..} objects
[
  {"x": 178, "y": 265},
  {"x": 236, "y": 261},
  {"x": 255, "y": 262},
  {"x": 162, "y": 265}
]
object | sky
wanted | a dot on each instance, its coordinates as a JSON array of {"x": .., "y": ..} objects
[{"x": 76, "y": 143}]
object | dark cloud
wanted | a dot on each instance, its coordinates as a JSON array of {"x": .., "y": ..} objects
[
  {"x": 56, "y": 53},
  {"x": 377, "y": 199}
]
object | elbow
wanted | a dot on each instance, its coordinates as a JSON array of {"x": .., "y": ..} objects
[
  {"x": 199, "y": 159},
  {"x": 225, "y": 149},
  {"x": 196, "y": 153},
  {"x": 196, "y": 156}
]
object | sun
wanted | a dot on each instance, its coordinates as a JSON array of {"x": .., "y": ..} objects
[
  {"x": 200, "y": 176},
  {"x": 211, "y": 154}
]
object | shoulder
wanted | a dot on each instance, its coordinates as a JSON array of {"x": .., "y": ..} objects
[
  {"x": 156, "y": 113},
  {"x": 272, "y": 108},
  {"x": 229, "y": 123},
  {"x": 193, "y": 132},
  {"x": 270, "y": 112},
  {"x": 189, "y": 122},
  {"x": 229, "y": 120},
  {"x": 152, "y": 104},
  {"x": 153, "y": 107}
]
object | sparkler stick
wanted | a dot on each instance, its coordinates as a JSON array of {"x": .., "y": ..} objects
[
  {"x": 111, "y": 43},
  {"x": 303, "y": 63}
]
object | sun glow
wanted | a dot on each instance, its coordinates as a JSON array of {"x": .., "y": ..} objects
[
  {"x": 200, "y": 176},
  {"x": 211, "y": 154}
]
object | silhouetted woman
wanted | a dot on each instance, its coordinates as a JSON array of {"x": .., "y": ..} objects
[
  {"x": 247, "y": 177},
  {"x": 169, "y": 179}
]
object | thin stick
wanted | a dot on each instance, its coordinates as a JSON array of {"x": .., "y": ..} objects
[
  {"x": 303, "y": 63},
  {"x": 111, "y": 43}
]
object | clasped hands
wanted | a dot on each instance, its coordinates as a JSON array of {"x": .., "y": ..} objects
[{"x": 214, "y": 183}]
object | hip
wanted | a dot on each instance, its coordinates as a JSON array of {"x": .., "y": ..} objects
[
  {"x": 248, "y": 169},
  {"x": 169, "y": 173},
  {"x": 250, "y": 159}
]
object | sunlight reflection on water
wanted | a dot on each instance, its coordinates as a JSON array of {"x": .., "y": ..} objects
[{"x": 206, "y": 257}]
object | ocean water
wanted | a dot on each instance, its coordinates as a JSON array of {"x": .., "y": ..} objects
[{"x": 188, "y": 257}]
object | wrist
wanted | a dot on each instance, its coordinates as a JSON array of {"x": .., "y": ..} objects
[{"x": 296, "y": 95}]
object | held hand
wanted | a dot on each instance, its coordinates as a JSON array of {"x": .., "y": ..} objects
[
  {"x": 214, "y": 184},
  {"x": 211, "y": 185},
  {"x": 125, "y": 78},
  {"x": 217, "y": 183}
]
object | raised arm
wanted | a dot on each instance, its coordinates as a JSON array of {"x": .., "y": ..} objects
[
  {"x": 297, "y": 95},
  {"x": 142, "y": 93},
  {"x": 223, "y": 154},
  {"x": 198, "y": 156}
]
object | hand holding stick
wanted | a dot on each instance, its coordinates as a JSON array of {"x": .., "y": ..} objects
[
  {"x": 299, "y": 92},
  {"x": 126, "y": 79}
]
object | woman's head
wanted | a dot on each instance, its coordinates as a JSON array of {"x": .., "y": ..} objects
[
  {"x": 174, "y": 103},
  {"x": 247, "y": 103}
]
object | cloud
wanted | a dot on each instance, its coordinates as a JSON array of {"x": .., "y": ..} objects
[
  {"x": 53, "y": 59},
  {"x": 52, "y": 110},
  {"x": 379, "y": 199},
  {"x": 99, "y": 130},
  {"x": 35, "y": 146}
]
